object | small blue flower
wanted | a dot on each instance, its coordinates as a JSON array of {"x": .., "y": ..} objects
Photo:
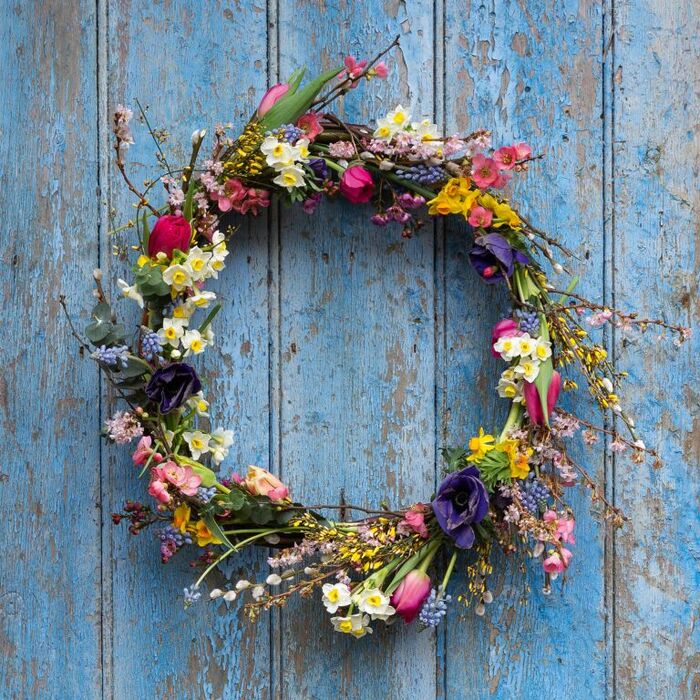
[
  {"x": 434, "y": 608},
  {"x": 150, "y": 345},
  {"x": 112, "y": 356},
  {"x": 192, "y": 595}
]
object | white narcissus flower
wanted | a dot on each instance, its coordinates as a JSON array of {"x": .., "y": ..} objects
[
  {"x": 178, "y": 277},
  {"x": 357, "y": 625},
  {"x": 182, "y": 313},
  {"x": 526, "y": 345},
  {"x": 399, "y": 117},
  {"x": 278, "y": 154},
  {"x": 426, "y": 130},
  {"x": 221, "y": 441},
  {"x": 543, "y": 349},
  {"x": 171, "y": 332},
  {"x": 384, "y": 131},
  {"x": 197, "y": 261},
  {"x": 198, "y": 442},
  {"x": 507, "y": 347},
  {"x": 200, "y": 404},
  {"x": 201, "y": 300},
  {"x": 375, "y": 603},
  {"x": 335, "y": 595},
  {"x": 130, "y": 292},
  {"x": 528, "y": 370},
  {"x": 290, "y": 177},
  {"x": 193, "y": 342}
]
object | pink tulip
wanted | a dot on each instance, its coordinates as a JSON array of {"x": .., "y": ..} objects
[
  {"x": 412, "y": 592},
  {"x": 506, "y": 328},
  {"x": 169, "y": 233},
  {"x": 532, "y": 399},
  {"x": 356, "y": 185},
  {"x": 260, "y": 482},
  {"x": 273, "y": 95}
]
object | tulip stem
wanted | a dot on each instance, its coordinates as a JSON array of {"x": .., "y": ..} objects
[
  {"x": 514, "y": 417},
  {"x": 448, "y": 573}
]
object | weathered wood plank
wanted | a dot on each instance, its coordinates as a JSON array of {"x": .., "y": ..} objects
[
  {"x": 530, "y": 72},
  {"x": 189, "y": 62},
  {"x": 656, "y": 199},
  {"x": 356, "y": 353},
  {"x": 49, "y": 477}
]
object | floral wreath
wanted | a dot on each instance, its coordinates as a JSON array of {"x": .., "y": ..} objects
[{"x": 504, "y": 490}]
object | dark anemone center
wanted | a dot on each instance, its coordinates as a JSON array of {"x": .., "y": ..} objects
[{"x": 461, "y": 499}]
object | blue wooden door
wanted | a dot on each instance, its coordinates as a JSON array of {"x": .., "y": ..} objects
[{"x": 347, "y": 357}]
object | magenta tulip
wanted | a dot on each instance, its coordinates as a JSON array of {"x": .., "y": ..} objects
[
  {"x": 532, "y": 399},
  {"x": 169, "y": 233},
  {"x": 412, "y": 592},
  {"x": 275, "y": 93},
  {"x": 356, "y": 185},
  {"x": 504, "y": 328}
]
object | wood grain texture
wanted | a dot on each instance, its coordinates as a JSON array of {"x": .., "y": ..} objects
[
  {"x": 357, "y": 365},
  {"x": 346, "y": 356},
  {"x": 656, "y": 205},
  {"x": 180, "y": 59},
  {"x": 50, "y": 603},
  {"x": 532, "y": 72}
]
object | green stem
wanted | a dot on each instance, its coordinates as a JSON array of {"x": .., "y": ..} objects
[
  {"x": 448, "y": 573},
  {"x": 514, "y": 418}
]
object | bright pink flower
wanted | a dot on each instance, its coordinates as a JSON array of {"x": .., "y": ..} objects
[
  {"x": 275, "y": 93},
  {"x": 484, "y": 171},
  {"x": 565, "y": 526},
  {"x": 506, "y": 157},
  {"x": 479, "y": 217},
  {"x": 522, "y": 151},
  {"x": 254, "y": 201},
  {"x": 412, "y": 592},
  {"x": 506, "y": 328},
  {"x": 159, "y": 490},
  {"x": 169, "y": 233},
  {"x": 381, "y": 70},
  {"x": 353, "y": 68},
  {"x": 557, "y": 562},
  {"x": 260, "y": 482},
  {"x": 502, "y": 180},
  {"x": 356, "y": 185},
  {"x": 143, "y": 451},
  {"x": 182, "y": 478},
  {"x": 532, "y": 398},
  {"x": 414, "y": 519},
  {"x": 240, "y": 198},
  {"x": 310, "y": 124}
]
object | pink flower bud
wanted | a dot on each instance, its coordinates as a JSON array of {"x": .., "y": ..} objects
[
  {"x": 532, "y": 399},
  {"x": 273, "y": 95},
  {"x": 169, "y": 233},
  {"x": 356, "y": 185},
  {"x": 557, "y": 562},
  {"x": 412, "y": 592}
]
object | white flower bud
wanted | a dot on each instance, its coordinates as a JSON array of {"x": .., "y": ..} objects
[
  {"x": 453, "y": 168},
  {"x": 488, "y": 597},
  {"x": 242, "y": 585},
  {"x": 343, "y": 163},
  {"x": 230, "y": 596},
  {"x": 617, "y": 409},
  {"x": 97, "y": 274},
  {"x": 198, "y": 135},
  {"x": 310, "y": 571},
  {"x": 386, "y": 165},
  {"x": 480, "y": 609},
  {"x": 607, "y": 384},
  {"x": 258, "y": 592},
  {"x": 273, "y": 580},
  {"x": 175, "y": 354},
  {"x": 537, "y": 551},
  {"x": 558, "y": 268},
  {"x": 639, "y": 444},
  {"x": 215, "y": 593},
  {"x": 273, "y": 538},
  {"x": 366, "y": 155}
]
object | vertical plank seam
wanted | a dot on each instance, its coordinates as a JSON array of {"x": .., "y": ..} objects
[
  {"x": 608, "y": 204},
  {"x": 274, "y": 340},
  {"x": 440, "y": 310},
  {"x": 104, "y": 194}
]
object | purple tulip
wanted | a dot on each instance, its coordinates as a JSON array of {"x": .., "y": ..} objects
[
  {"x": 171, "y": 386},
  {"x": 493, "y": 257},
  {"x": 409, "y": 597},
  {"x": 461, "y": 501}
]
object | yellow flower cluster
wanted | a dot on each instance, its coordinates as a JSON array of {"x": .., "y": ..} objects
[
  {"x": 458, "y": 197},
  {"x": 197, "y": 528},
  {"x": 246, "y": 158}
]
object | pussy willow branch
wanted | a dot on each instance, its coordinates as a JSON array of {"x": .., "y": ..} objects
[{"x": 143, "y": 202}]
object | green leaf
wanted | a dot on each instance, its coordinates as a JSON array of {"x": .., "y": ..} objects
[
  {"x": 149, "y": 279},
  {"x": 98, "y": 331},
  {"x": 290, "y": 107},
  {"x": 146, "y": 232},
  {"x": 235, "y": 500},
  {"x": 262, "y": 514},
  {"x": 216, "y": 530},
  {"x": 295, "y": 80},
  {"x": 134, "y": 368},
  {"x": 544, "y": 378},
  {"x": 455, "y": 457},
  {"x": 102, "y": 312},
  {"x": 208, "y": 476}
]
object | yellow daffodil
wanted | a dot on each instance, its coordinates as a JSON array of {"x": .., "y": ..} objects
[
  {"x": 479, "y": 445},
  {"x": 503, "y": 214},
  {"x": 519, "y": 465},
  {"x": 204, "y": 534},
  {"x": 181, "y": 517}
]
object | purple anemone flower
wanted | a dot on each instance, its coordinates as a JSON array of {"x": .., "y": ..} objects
[
  {"x": 493, "y": 257},
  {"x": 171, "y": 386},
  {"x": 461, "y": 501}
]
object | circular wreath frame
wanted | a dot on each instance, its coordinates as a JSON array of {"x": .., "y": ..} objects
[{"x": 505, "y": 490}]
